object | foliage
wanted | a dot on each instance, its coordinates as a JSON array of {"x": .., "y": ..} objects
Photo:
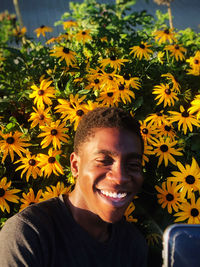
[{"x": 110, "y": 54}]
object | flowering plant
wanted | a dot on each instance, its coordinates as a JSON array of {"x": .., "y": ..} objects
[{"x": 106, "y": 55}]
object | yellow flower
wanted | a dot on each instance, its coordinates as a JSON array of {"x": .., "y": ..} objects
[
  {"x": 40, "y": 116},
  {"x": 195, "y": 106},
  {"x": 147, "y": 151},
  {"x": 148, "y": 132},
  {"x": 189, "y": 211},
  {"x": 83, "y": 36},
  {"x": 164, "y": 149},
  {"x": 55, "y": 191},
  {"x": 124, "y": 93},
  {"x": 188, "y": 178},
  {"x": 127, "y": 214},
  {"x": 165, "y": 94},
  {"x": 175, "y": 85},
  {"x": 160, "y": 57},
  {"x": 12, "y": 143},
  {"x": 29, "y": 164},
  {"x": 184, "y": 119},
  {"x": 69, "y": 24},
  {"x": 7, "y": 194},
  {"x": 176, "y": 51},
  {"x": 162, "y": 36},
  {"x": 48, "y": 163},
  {"x": 113, "y": 62},
  {"x": 157, "y": 118},
  {"x": 167, "y": 130},
  {"x": 108, "y": 98},
  {"x": 109, "y": 81},
  {"x": 194, "y": 64},
  {"x": 141, "y": 51},
  {"x": 54, "y": 133},
  {"x": 168, "y": 196},
  {"x": 65, "y": 54},
  {"x": 43, "y": 94},
  {"x": 30, "y": 198},
  {"x": 19, "y": 32},
  {"x": 42, "y": 30},
  {"x": 130, "y": 81}
]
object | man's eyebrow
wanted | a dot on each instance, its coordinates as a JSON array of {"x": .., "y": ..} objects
[{"x": 112, "y": 153}]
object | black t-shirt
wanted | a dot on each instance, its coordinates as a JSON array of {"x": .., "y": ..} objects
[{"x": 45, "y": 234}]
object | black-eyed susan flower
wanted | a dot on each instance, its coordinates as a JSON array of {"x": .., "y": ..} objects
[
  {"x": 43, "y": 93},
  {"x": 157, "y": 118},
  {"x": 163, "y": 36},
  {"x": 148, "y": 132},
  {"x": 128, "y": 212},
  {"x": 184, "y": 118},
  {"x": 19, "y": 32},
  {"x": 194, "y": 64},
  {"x": 94, "y": 84},
  {"x": 108, "y": 98},
  {"x": 141, "y": 51},
  {"x": 113, "y": 61},
  {"x": 7, "y": 194},
  {"x": 13, "y": 143},
  {"x": 69, "y": 24},
  {"x": 195, "y": 106},
  {"x": 83, "y": 36},
  {"x": 30, "y": 198},
  {"x": 54, "y": 133},
  {"x": 49, "y": 163},
  {"x": 40, "y": 117},
  {"x": 148, "y": 150},
  {"x": 29, "y": 164},
  {"x": 130, "y": 81},
  {"x": 175, "y": 85},
  {"x": 167, "y": 130},
  {"x": 165, "y": 95},
  {"x": 168, "y": 196},
  {"x": 177, "y": 51},
  {"x": 109, "y": 80},
  {"x": 160, "y": 57},
  {"x": 164, "y": 149},
  {"x": 189, "y": 212},
  {"x": 188, "y": 178},
  {"x": 55, "y": 191},
  {"x": 64, "y": 53},
  {"x": 42, "y": 30},
  {"x": 124, "y": 93}
]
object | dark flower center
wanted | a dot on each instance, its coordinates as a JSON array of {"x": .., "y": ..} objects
[
  {"x": 113, "y": 58},
  {"x": 96, "y": 81},
  {"x": 32, "y": 162},
  {"x": 66, "y": 50},
  {"x": 185, "y": 114},
  {"x": 169, "y": 197},
  {"x": 167, "y": 91},
  {"x": 159, "y": 114},
  {"x": 145, "y": 131},
  {"x": 100, "y": 71},
  {"x": 166, "y": 31},
  {"x": 142, "y": 46},
  {"x": 79, "y": 112},
  {"x": 31, "y": 203},
  {"x": 41, "y": 117},
  {"x": 71, "y": 106},
  {"x": 167, "y": 128},
  {"x": 42, "y": 26},
  {"x": 110, "y": 94},
  {"x": 10, "y": 140},
  {"x": 190, "y": 179},
  {"x": 40, "y": 92},
  {"x": 164, "y": 148},
  {"x": 2, "y": 192},
  {"x": 83, "y": 33},
  {"x": 51, "y": 160},
  {"x": 110, "y": 77},
  {"x": 196, "y": 61},
  {"x": 177, "y": 47},
  {"x": 121, "y": 87},
  {"x": 194, "y": 212},
  {"x": 54, "y": 132}
]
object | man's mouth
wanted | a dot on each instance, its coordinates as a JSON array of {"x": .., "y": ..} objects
[
  {"x": 113, "y": 194},
  {"x": 117, "y": 199}
]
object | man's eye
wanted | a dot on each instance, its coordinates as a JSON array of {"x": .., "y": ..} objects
[
  {"x": 134, "y": 166},
  {"x": 105, "y": 161}
]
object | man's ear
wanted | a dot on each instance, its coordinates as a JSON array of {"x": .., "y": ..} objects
[{"x": 74, "y": 164}]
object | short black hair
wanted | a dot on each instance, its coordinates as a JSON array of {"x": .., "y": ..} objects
[{"x": 105, "y": 117}]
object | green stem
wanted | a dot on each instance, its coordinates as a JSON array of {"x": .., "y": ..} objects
[{"x": 17, "y": 10}]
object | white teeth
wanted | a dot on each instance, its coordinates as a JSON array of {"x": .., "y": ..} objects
[{"x": 113, "y": 194}]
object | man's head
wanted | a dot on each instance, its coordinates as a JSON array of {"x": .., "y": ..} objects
[{"x": 107, "y": 163}]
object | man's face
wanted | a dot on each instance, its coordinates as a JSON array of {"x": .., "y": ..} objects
[{"x": 109, "y": 172}]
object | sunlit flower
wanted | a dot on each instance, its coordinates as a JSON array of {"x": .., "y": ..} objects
[
  {"x": 164, "y": 149},
  {"x": 40, "y": 116},
  {"x": 160, "y": 57},
  {"x": 13, "y": 143},
  {"x": 162, "y": 36},
  {"x": 188, "y": 178},
  {"x": 165, "y": 94},
  {"x": 7, "y": 194},
  {"x": 54, "y": 133},
  {"x": 131, "y": 81},
  {"x": 43, "y": 93},
  {"x": 94, "y": 84},
  {"x": 113, "y": 62},
  {"x": 157, "y": 118},
  {"x": 148, "y": 132},
  {"x": 184, "y": 118},
  {"x": 141, "y": 51},
  {"x": 65, "y": 54},
  {"x": 110, "y": 80},
  {"x": 124, "y": 93},
  {"x": 69, "y": 24},
  {"x": 176, "y": 51},
  {"x": 195, "y": 106},
  {"x": 55, "y": 191},
  {"x": 190, "y": 212},
  {"x": 166, "y": 129},
  {"x": 49, "y": 163},
  {"x": 83, "y": 36},
  {"x": 194, "y": 64},
  {"x": 29, "y": 164},
  {"x": 30, "y": 198},
  {"x": 19, "y": 32},
  {"x": 42, "y": 30},
  {"x": 168, "y": 196},
  {"x": 175, "y": 85},
  {"x": 128, "y": 212},
  {"x": 108, "y": 98}
]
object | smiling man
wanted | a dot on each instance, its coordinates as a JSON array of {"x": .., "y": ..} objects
[{"x": 86, "y": 228}]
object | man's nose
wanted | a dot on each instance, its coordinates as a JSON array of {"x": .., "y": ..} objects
[{"x": 118, "y": 173}]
